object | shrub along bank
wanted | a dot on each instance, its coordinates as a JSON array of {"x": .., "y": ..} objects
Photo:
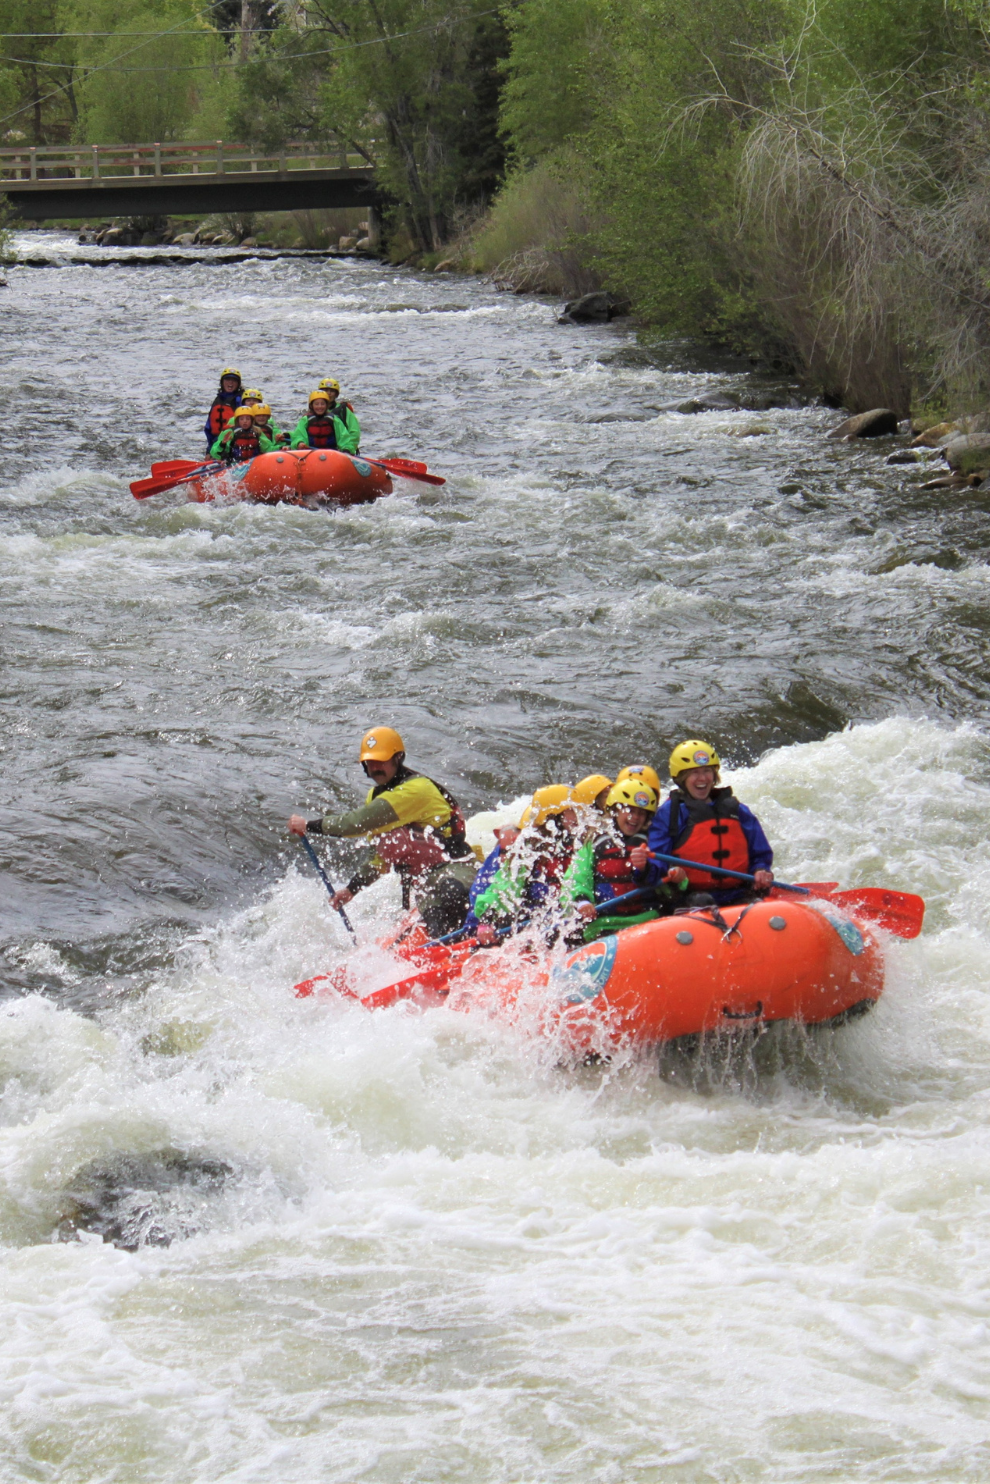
[{"x": 802, "y": 182}]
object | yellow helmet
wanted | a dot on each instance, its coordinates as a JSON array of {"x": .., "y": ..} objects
[
  {"x": 641, "y": 770},
  {"x": 230, "y": 371},
  {"x": 261, "y": 410},
  {"x": 319, "y": 393},
  {"x": 693, "y": 754},
  {"x": 251, "y": 393},
  {"x": 546, "y": 802},
  {"x": 634, "y": 794},
  {"x": 242, "y": 412},
  {"x": 329, "y": 384},
  {"x": 381, "y": 743},
  {"x": 587, "y": 791}
]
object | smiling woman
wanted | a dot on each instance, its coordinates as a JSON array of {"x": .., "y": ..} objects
[{"x": 410, "y": 1245}]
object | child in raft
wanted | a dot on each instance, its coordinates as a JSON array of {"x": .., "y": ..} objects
[
  {"x": 263, "y": 419},
  {"x": 241, "y": 440},
  {"x": 603, "y": 869},
  {"x": 703, "y": 821},
  {"x": 528, "y": 879},
  {"x": 505, "y": 837}
]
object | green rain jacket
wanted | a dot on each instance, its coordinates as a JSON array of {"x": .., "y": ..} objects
[
  {"x": 579, "y": 886},
  {"x": 265, "y": 445},
  {"x": 347, "y": 431}
]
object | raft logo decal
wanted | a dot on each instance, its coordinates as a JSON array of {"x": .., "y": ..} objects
[
  {"x": 363, "y": 469},
  {"x": 586, "y": 972},
  {"x": 847, "y": 931}
]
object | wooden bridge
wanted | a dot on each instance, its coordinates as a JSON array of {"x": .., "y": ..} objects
[{"x": 106, "y": 180}]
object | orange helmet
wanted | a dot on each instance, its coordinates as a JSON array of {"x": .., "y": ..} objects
[{"x": 381, "y": 744}]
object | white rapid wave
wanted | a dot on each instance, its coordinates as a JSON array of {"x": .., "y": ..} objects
[{"x": 436, "y": 1254}]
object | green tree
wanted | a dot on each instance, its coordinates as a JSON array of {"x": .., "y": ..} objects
[{"x": 37, "y": 82}]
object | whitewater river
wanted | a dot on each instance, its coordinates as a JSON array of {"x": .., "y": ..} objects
[{"x": 413, "y": 1247}]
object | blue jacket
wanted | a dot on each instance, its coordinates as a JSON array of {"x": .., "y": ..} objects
[
  {"x": 214, "y": 426},
  {"x": 662, "y": 838},
  {"x": 482, "y": 881}
]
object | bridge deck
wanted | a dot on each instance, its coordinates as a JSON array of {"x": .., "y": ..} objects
[{"x": 122, "y": 180}]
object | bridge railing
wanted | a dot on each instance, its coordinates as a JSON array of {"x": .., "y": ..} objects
[{"x": 105, "y": 161}]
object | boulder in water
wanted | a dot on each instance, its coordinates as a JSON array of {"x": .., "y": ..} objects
[
  {"x": 969, "y": 453},
  {"x": 877, "y": 423},
  {"x": 136, "y": 1200},
  {"x": 593, "y": 309}
]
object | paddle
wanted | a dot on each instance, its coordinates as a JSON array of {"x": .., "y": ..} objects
[
  {"x": 900, "y": 912},
  {"x": 174, "y": 466},
  {"x": 676, "y": 860},
  {"x": 405, "y": 468},
  {"x": 331, "y": 889},
  {"x": 141, "y": 489}
]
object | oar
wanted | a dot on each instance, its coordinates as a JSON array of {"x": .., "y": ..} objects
[
  {"x": 405, "y": 468},
  {"x": 331, "y": 889},
  {"x": 676, "y": 860},
  {"x": 141, "y": 489},
  {"x": 174, "y": 466},
  {"x": 900, "y": 912}
]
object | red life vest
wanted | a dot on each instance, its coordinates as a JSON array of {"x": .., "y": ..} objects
[
  {"x": 614, "y": 870},
  {"x": 713, "y": 835},
  {"x": 221, "y": 411},
  {"x": 322, "y": 431},
  {"x": 243, "y": 444}
]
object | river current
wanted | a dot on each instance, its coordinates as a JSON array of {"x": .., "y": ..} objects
[{"x": 418, "y": 1247}]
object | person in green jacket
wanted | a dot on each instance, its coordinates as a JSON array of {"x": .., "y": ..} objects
[
  {"x": 417, "y": 830},
  {"x": 328, "y": 423},
  {"x": 527, "y": 883},
  {"x": 263, "y": 419},
  {"x": 241, "y": 439},
  {"x": 602, "y": 868}
]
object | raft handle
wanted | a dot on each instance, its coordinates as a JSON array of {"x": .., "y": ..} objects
[{"x": 756, "y": 1014}]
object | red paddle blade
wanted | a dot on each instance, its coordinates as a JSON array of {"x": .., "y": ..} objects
[
  {"x": 427, "y": 984},
  {"x": 408, "y": 469},
  {"x": 900, "y": 912},
  {"x": 142, "y": 488},
  {"x": 174, "y": 466}
]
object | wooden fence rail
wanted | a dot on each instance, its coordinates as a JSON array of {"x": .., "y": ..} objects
[{"x": 215, "y": 157}]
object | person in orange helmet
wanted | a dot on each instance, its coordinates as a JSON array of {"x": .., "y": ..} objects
[{"x": 417, "y": 830}]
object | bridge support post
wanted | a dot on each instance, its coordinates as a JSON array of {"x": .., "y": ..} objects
[
  {"x": 96, "y": 162},
  {"x": 374, "y": 227}
]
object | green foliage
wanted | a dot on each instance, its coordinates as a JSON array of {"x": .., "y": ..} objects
[
  {"x": 410, "y": 84},
  {"x": 535, "y": 237},
  {"x": 550, "y": 90}
]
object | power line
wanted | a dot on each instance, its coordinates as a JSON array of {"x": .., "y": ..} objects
[
  {"x": 247, "y": 61},
  {"x": 36, "y": 102}
]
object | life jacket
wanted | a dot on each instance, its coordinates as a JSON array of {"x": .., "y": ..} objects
[
  {"x": 450, "y": 836},
  {"x": 220, "y": 413},
  {"x": 243, "y": 444},
  {"x": 614, "y": 873},
  {"x": 322, "y": 432},
  {"x": 713, "y": 835}
]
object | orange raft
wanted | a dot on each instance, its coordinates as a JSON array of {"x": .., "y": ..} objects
[
  {"x": 304, "y": 476},
  {"x": 698, "y": 972}
]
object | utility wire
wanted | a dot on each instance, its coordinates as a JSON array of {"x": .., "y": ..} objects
[
  {"x": 330, "y": 51},
  {"x": 36, "y": 102}
]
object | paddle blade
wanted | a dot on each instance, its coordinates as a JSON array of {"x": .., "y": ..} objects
[
  {"x": 407, "y": 469},
  {"x": 173, "y": 466},
  {"x": 141, "y": 489},
  {"x": 427, "y": 984},
  {"x": 900, "y": 912}
]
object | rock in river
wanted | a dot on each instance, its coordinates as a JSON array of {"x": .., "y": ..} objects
[
  {"x": 596, "y": 309},
  {"x": 874, "y": 424}
]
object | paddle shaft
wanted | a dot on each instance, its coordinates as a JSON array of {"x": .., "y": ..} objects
[
  {"x": 677, "y": 860},
  {"x": 328, "y": 884}
]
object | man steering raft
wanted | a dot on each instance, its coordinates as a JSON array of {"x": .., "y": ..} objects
[
  {"x": 418, "y": 830},
  {"x": 228, "y": 397}
]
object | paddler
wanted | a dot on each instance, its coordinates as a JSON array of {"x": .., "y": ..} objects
[
  {"x": 603, "y": 868},
  {"x": 241, "y": 439},
  {"x": 703, "y": 821},
  {"x": 418, "y": 831},
  {"x": 350, "y": 439},
  {"x": 528, "y": 881},
  {"x": 591, "y": 793},
  {"x": 506, "y": 836},
  {"x": 227, "y": 398},
  {"x": 263, "y": 419},
  {"x": 321, "y": 427}
]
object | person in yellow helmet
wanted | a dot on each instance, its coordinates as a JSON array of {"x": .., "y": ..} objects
[
  {"x": 349, "y": 438},
  {"x": 227, "y": 398},
  {"x": 642, "y": 771},
  {"x": 529, "y": 879},
  {"x": 703, "y": 821},
  {"x": 591, "y": 792},
  {"x": 263, "y": 419},
  {"x": 327, "y": 424},
  {"x": 417, "y": 829},
  {"x": 602, "y": 869},
  {"x": 241, "y": 439}
]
